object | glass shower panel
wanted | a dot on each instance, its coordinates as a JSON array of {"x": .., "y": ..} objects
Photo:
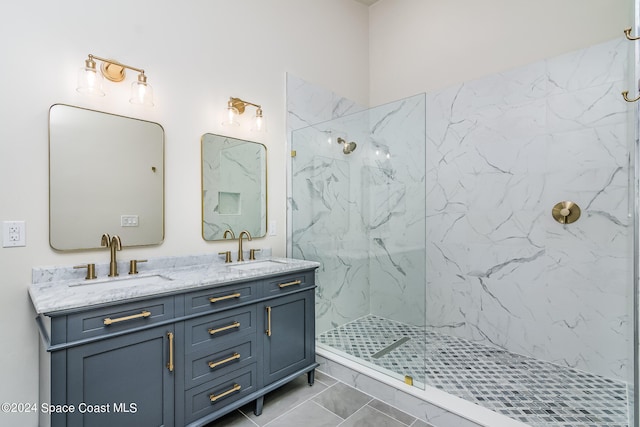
[{"x": 358, "y": 208}]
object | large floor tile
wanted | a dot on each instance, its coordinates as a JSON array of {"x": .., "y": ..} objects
[
  {"x": 394, "y": 413},
  {"x": 309, "y": 414},
  {"x": 283, "y": 399},
  {"x": 342, "y": 400},
  {"x": 369, "y": 417},
  {"x": 234, "y": 419}
]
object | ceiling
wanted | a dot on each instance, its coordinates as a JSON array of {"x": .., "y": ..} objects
[{"x": 367, "y": 2}]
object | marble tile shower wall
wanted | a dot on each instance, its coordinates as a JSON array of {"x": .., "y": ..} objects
[
  {"x": 357, "y": 214},
  {"x": 309, "y": 109},
  {"x": 328, "y": 223},
  {"x": 395, "y": 214},
  {"x": 501, "y": 151}
]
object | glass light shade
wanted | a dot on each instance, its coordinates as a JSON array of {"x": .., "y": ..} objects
[
  {"x": 258, "y": 122},
  {"x": 90, "y": 81},
  {"x": 232, "y": 117},
  {"x": 141, "y": 93}
]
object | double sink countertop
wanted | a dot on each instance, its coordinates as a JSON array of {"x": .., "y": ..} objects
[{"x": 61, "y": 289}]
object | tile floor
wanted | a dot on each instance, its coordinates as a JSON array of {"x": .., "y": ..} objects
[
  {"x": 328, "y": 403},
  {"x": 538, "y": 393}
]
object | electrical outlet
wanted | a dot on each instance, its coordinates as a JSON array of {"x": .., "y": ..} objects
[{"x": 13, "y": 234}]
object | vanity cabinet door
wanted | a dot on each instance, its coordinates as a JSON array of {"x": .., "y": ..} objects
[
  {"x": 288, "y": 335},
  {"x": 123, "y": 381}
]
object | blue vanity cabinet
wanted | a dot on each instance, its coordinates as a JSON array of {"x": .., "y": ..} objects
[
  {"x": 288, "y": 338},
  {"x": 114, "y": 365},
  {"x": 220, "y": 361},
  {"x": 125, "y": 381},
  {"x": 183, "y": 359},
  {"x": 287, "y": 331},
  {"x": 250, "y": 359}
]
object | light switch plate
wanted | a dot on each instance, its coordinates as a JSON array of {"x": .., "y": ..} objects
[
  {"x": 14, "y": 234},
  {"x": 129, "y": 220}
]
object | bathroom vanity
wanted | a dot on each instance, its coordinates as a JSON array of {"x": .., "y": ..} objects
[{"x": 176, "y": 346}]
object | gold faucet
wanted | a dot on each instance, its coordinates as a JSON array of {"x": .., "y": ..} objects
[
  {"x": 116, "y": 245},
  {"x": 228, "y": 231},
  {"x": 106, "y": 240},
  {"x": 242, "y": 233}
]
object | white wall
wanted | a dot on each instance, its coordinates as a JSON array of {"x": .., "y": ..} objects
[
  {"x": 421, "y": 45},
  {"x": 196, "y": 54}
]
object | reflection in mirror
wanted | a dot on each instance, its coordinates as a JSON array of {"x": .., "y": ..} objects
[
  {"x": 106, "y": 175},
  {"x": 234, "y": 187}
]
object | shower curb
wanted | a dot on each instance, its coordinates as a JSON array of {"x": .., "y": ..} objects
[{"x": 434, "y": 406}]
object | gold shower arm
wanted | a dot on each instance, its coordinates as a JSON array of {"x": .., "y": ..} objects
[
  {"x": 627, "y": 33},
  {"x": 625, "y": 95}
]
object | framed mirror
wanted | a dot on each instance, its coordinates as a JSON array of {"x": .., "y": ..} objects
[
  {"x": 106, "y": 175},
  {"x": 234, "y": 187}
]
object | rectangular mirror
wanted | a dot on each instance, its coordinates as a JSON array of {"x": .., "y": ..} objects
[
  {"x": 234, "y": 187},
  {"x": 106, "y": 175}
]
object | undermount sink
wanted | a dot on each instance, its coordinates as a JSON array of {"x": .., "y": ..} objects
[
  {"x": 256, "y": 265},
  {"x": 125, "y": 281}
]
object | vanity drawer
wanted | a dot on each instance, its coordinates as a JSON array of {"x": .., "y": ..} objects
[
  {"x": 219, "y": 298},
  {"x": 220, "y": 328},
  {"x": 287, "y": 283},
  {"x": 209, "y": 364},
  {"x": 210, "y": 397},
  {"x": 118, "y": 318}
]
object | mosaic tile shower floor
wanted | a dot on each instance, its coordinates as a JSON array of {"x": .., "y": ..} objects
[{"x": 537, "y": 393}]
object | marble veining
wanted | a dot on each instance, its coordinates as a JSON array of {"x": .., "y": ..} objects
[
  {"x": 51, "y": 292},
  {"x": 455, "y": 232}
]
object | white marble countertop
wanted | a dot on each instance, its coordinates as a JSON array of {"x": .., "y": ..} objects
[{"x": 54, "y": 292}]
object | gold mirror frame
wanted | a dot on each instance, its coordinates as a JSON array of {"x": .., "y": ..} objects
[
  {"x": 234, "y": 186},
  {"x": 106, "y": 175}
]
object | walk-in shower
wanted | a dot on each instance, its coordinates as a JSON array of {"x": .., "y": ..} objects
[{"x": 442, "y": 264}]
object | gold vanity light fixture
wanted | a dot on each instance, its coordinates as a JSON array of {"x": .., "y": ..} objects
[
  {"x": 90, "y": 80},
  {"x": 236, "y": 107}
]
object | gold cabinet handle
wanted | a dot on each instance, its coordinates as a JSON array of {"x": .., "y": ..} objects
[
  {"x": 224, "y": 328},
  {"x": 268, "y": 331},
  {"x": 216, "y": 299},
  {"x": 222, "y": 362},
  {"x": 170, "y": 364},
  {"x": 284, "y": 285},
  {"x": 110, "y": 321},
  {"x": 215, "y": 397}
]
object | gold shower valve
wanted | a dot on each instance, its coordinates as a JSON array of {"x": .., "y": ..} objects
[{"x": 566, "y": 212}]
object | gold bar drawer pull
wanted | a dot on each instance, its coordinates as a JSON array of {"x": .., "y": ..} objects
[
  {"x": 222, "y": 362},
  {"x": 170, "y": 363},
  {"x": 268, "y": 331},
  {"x": 214, "y": 397},
  {"x": 284, "y": 285},
  {"x": 224, "y": 328},
  {"x": 110, "y": 321},
  {"x": 216, "y": 299}
]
